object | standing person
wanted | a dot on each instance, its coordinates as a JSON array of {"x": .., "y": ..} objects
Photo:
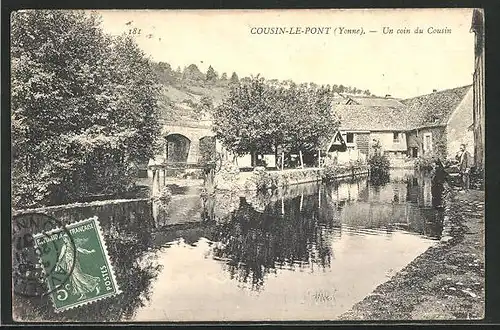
[
  {"x": 439, "y": 177},
  {"x": 463, "y": 158}
]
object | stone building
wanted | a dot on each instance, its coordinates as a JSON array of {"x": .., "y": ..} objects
[
  {"x": 478, "y": 87},
  {"x": 439, "y": 122}
]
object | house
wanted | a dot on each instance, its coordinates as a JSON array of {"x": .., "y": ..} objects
[
  {"x": 363, "y": 125},
  {"x": 439, "y": 122},
  {"x": 478, "y": 87},
  {"x": 374, "y": 101}
]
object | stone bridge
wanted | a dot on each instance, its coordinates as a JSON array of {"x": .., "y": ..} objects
[{"x": 182, "y": 139}]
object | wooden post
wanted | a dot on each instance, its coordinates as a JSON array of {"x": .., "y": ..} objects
[
  {"x": 301, "y": 161},
  {"x": 282, "y": 205},
  {"x": 282, "y": 161},
  {"x": 319, "y": 197},
  {"x": 301, "y": 201},
  {"x": 319, "y": 157}
]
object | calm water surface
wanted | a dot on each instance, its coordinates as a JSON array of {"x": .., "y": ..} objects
[{"x": 307, "y": 253}]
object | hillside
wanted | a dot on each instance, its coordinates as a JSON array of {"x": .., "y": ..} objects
[{"x": 190, "y": 94}]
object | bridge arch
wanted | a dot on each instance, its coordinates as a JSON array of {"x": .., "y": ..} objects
[{"x": 177, "y": 147}]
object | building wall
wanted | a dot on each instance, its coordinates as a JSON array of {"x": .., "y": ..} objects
[
  {"x": 457, "y": 129},
  {"x": 391, "y": 148},
  {"x": 478, "y": 90},
  {"x": 439, "y": 145},
  {"x": 363, "y": 143}
]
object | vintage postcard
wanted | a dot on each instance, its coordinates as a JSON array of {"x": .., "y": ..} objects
[{"x": 247, "y": 165}]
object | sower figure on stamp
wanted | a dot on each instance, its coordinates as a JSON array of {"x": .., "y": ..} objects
[
  {"x": 463, "y": 158},
  {"x": 81, "y": 283}
]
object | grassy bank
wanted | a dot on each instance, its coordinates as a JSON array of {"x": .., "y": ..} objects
[{"x": 445, "y": 282}]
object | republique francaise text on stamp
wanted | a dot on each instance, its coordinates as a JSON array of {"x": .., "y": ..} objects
[{"x": 92, "y": 277}]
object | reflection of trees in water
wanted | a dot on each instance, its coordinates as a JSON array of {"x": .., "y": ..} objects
[
  {"x": 127, "y": 234},
  {"x": 255, "y": 244}
]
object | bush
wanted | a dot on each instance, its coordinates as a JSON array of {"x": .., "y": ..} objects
[
  {"x": 263, "y": 180},
  {"x": 163, "y": 198},
  {"x": 379, "y": 169},
  {"x": 424, "y": 163},
  {"x": 332, "y": 170}
]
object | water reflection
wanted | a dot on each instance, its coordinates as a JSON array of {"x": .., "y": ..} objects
[
  {"x": 293, "y": 244},
  {"x": 255, "y": 243},
  {"x": 127, "y": 232},
  {"x": 296, "y": 230}
]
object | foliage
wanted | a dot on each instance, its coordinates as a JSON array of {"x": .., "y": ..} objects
[
  {"x": 424, "y": 163},
  {"x": 204, "y": 108},
  {"x": 263, "y": 116},
  {"x": 332, "y": 170},
  {"x": 191, "y": 72},
  {"x": 163, "y": 198},
  {"x": 211, "y": 74},
  {"x": 264, "y": 180},
  {"x": 83, "y": 108},
  {"x": 379, "y": 169},
  {"x": 234, "y": 78}
]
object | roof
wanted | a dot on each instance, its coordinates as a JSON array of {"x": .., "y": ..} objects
[
  {"x": 433, "y": 109},
  {"x": 376, "y": 101},
  {"x": 370, "y": 118}
]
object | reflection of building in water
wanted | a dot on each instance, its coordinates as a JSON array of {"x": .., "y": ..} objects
[
  {"x": 419, "y": 190},
  {"x": 348, "y": 191}
]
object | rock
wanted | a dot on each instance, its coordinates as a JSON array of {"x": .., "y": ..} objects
[
  {"x": 472, "y": 294},
  {"x": 445, "y": 239}
]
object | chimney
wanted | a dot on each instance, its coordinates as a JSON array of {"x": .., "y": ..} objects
[{"x": 434, "y": 90}]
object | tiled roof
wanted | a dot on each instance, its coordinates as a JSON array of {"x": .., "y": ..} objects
[
  {"x": 434, "y": 109},
  {"x": 422, "y": 111},
  {"x": 370, "y": 118},
  {"x": 377, "y": 101}
]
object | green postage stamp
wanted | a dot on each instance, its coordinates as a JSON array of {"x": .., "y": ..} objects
[{"x": 83, "y": 258}]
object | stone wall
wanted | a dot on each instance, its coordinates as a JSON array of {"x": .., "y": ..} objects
[{"x": 458, "y": 129}]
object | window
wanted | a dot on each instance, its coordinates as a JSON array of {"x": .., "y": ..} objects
[
  {"x": 427, "y": 142},
  {"x": 396, "y": 137},
  {"x": 350, "y": 138}
]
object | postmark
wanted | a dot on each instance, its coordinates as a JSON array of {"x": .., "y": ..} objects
[
  {"x": 80, "y": 251},
  {"x": 29, "y": 275}
]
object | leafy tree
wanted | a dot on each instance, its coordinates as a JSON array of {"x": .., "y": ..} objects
[
  {"x": 234, "y": 78},
  {"x": 191, "y": 72},
  {"x": 262, "y": 117},
  {"x": 204, "y": 107},
  {"x": 211, "y": 74},
  {"x": 223, "y": 76},
  {"x": 83, "y": 108}
]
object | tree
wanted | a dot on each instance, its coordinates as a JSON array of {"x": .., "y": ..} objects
[
  {"x": 83, "y": 108},
  {"x": 223, "y": 77},
  {"x": 191, "y": 72},
  {"x": 262, "y": 117},
  {"x": 211, "y": 75},
  {"x": 204, "y": 107},
  {"x": 241, "y": 122},
  {"x": 234, "y": 78}
]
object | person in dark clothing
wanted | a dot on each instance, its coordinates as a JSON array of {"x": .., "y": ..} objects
[{"x": 439, "y": 178}]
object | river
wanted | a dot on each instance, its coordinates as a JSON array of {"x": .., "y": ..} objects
[{"x": 306, "y": 253}]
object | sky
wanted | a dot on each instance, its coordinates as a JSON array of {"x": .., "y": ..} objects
[{"x": 402, "y": 65}]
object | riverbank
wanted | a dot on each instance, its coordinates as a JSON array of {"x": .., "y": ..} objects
[
  {"x": 445, "y": 282},
  {"x": 261, "y": 179}
]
